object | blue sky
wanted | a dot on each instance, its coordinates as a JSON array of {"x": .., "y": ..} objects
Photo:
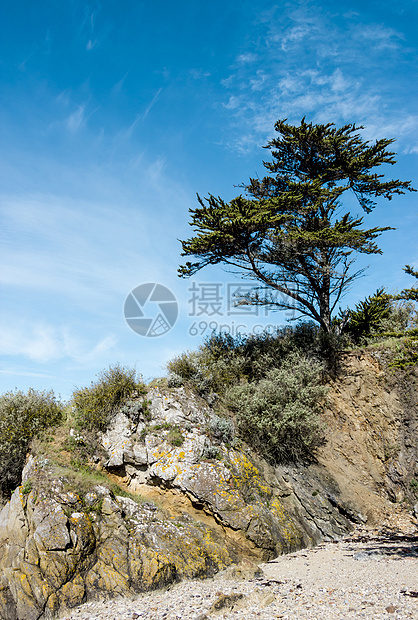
[{"x": 112, "y": 117}]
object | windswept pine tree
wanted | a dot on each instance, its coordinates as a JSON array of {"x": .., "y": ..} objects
[{"x": 290, "y": 232}]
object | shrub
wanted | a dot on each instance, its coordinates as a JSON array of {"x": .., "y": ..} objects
[
  {"x": 223, "y": 361},
  {"x": 96, "y": 404},
  {"x": 22, "y": 417},
  {"x": 368, "y": 316},
  {"x": 174, "y": 380},
  {"x": 402, "y": 317},
  {"x": 409, "y": 356},
  {"x": 409, "y": 353},
  {"x": 210, "y": 452},
  {"x": 278, "y": 415},
  {"x": 204, "y": 370},
  {"x": 175, "y": 437},
  {"x": 221, "y": 429}
]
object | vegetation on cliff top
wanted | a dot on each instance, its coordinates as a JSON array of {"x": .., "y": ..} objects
[
  {"x": 22, "y": 417},
  {"x": 274, "y": 384},
  {"x": 95, "y": 404},
  {"x": 268, "y": 390}
]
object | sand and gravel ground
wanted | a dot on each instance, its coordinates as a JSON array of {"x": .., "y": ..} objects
[{"x": 364, "y": 576}]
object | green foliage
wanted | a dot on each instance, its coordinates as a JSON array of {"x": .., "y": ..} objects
[
  {"x": 368, "y": 315},
  {"x": 210, "y": 452},
  {"x": 84, "y": 447},
  {"x": 137, "y": 409},
  {"x": 403, "y": 316},
  {"x": 207, "y": 371},
  {"x": 81, "y": 478},
  {"x": 175, "y": 437},
  {"x": 273, "y": 383},
  {"x": 223, "y": 361},
  {"x": 22, "y": 417},
  {"x": 409, "y": 356},
  {"x": 409, "y": 294},
  {"x": 165, "y": 426},
  {"x": 96, "y": 404},
  {"x": 291, "y": 232},
  {"x": 278, "y": 415},
  {"x": 221, "y": 428},
  {"x": 27, "y": 487}
]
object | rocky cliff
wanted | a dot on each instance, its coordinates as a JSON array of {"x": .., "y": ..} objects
[{"x": 202, "y": 501}]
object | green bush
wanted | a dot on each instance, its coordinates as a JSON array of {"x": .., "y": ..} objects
[
  {"x": 95, "y": 405},
  {"x": 223, "y": 361},
  {"x": 278, "y": 415},
  {"x": 221, "y": 429},
  {"x": 175, "y": 437},
  {"x": 368, "y": 316},
  {"x": 409, "y": 356},
  {"x": 22, "y": 417},
  {"x": 402, "y": 317},
  {"x": 205, "y": 371},
  {"x": 272, "y": 382}
]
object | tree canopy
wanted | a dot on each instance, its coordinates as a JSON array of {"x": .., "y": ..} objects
[
  {"x": 409, "y": 294},
  {"x": 290, "y": 232}
]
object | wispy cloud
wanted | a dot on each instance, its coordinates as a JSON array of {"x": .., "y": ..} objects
[
  {"x": 199, "y": 74},
  {"x": 50, "y": 244},
  {"x": 380, "y": 37},
  {"x": 119, "y": 85},
  {"x": 87, "y": 30},
  {"x": 15, "y": 372},
  {"x": 76, "y": 119},
  {"x": 46, "y": 343},
  {"x": 294, "y": 36},
  {"x": 246, "y": 58},
  {"x": 151, "y": 104},
  {"x": 127, "y": 133},
  {"x": 319, "y": 67}
]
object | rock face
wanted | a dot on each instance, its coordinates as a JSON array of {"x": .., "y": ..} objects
[
  {"x": 240, "y": 492},
  {"x": 372, "y": 434},
  {"x": 208, "y": 502},
  {"x": 59, "y": 551}
]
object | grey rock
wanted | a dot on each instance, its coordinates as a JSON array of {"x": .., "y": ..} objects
[{"x": 51, "y": 526}]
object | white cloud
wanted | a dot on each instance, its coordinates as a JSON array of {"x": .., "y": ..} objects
[
  {"x": 246, "y": 58},
  {"x": 119, "y": 85},
  {"x": 293, "y": 36},
  {"x": 199, "y": 74},
  {"x": 322, "y": 69},
  {"x": 140, "y": 117},
  {"x": 379, "y": 36},
  {"x": 64, "y": 97},
  {"x": 72, "y": 248},
  {"x": 25, "y": 373},
  {"x": 257, "y": 83},
  {"x": 76, "y": 119},
  {"x": 412, "y": 150},
  {"x": 46, "y": 343},
  {"x": 233, "y": 103},
  {"x": 151, "y": 104}
]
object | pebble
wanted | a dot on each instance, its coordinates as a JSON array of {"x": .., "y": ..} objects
[{"x": 308, "y": 584}]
